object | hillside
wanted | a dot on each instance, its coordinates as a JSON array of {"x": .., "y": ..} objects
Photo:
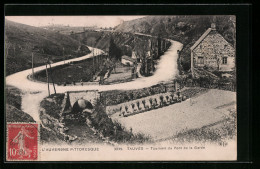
[
  {"x": 67, "y": 30},
  {"x": 186, "y": 29},
  {"x": 101, "y": 40},
  {"x": 21, "y": 40}
]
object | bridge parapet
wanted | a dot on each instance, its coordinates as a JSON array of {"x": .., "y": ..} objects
[{"x": 90, "y": 95}]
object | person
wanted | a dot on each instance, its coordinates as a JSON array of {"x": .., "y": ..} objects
[
  {"x": 138, "y": 105},
  {"x": 81, "y": 82},
  {"x": 151, "y": 102},
  {"x": 20, "y": 140},
  {"x": 161, "y": 101}
]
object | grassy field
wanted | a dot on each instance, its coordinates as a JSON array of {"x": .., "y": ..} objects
[{"x": 122, "y": 74}]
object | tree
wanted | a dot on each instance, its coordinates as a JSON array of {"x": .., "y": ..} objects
[
  {"x": 232, "y": 19},
  {"x": 7, "y": 46},
  {"x": 141, "y": 49},
  {"x": 114, "y": 51}
]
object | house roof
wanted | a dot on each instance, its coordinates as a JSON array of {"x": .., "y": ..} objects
[
  {"x": 128, "y": 58},
  {"x": 201, "y": 38}
]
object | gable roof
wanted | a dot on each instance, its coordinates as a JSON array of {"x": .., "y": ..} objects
[{"x": 201, "y": 38}]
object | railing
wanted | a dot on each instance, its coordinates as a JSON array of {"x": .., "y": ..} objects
[{"x": 144, "y": 104}]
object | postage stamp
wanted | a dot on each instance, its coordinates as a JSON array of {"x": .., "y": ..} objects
[{"x": 22, "y": 141}]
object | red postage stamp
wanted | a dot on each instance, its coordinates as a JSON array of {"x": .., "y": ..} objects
[{"x": 22, "y": 141}]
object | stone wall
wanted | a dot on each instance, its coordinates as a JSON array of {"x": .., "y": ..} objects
[{"x": 90, "y": 95}]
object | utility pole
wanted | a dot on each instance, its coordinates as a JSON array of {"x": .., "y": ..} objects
[
  {"x": 47, "y": 77},
  {"x": 63, "y": 54},
  {"x": 146, "y": 64},
  {"x": 97, "y": 62},
  {"x": 151, "y": 53},
  {"x": 93, "y": 59},
  {"x": 52, "y": 79},
  {"x": 32, "y": 67}
]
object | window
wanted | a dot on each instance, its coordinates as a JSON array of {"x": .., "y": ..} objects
[
  {"x": 200, "y": 60},
  {"x": 224, "y": 60}
]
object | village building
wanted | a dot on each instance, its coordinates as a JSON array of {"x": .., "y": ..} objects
[
  {"x": 126, "y": 60},
  {"x": 212, "y": 52}
]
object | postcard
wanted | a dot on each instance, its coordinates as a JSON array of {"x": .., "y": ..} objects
[{"x": 121, "y": 88}]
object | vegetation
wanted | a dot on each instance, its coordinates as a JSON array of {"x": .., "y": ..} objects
[
  {"x": 114, "y": 51},
  {"x": 118, "y": 96},
  {"x": 124, "y": 41},
  {"x": 23, "y": 40},
  {"x": 52, "y": 104},
  {"x": 47, "y": 136},
  {"x": 222, "y": 83}
]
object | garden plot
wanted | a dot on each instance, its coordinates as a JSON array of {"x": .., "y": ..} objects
[
  {"x": 193, "y": 113},
  {"x": 121, "y": 74}
]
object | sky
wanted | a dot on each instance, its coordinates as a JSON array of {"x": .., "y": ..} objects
[{"x": 99, "y": 21}]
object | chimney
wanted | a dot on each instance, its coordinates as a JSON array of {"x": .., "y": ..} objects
[{"x": 213, "y": 26}]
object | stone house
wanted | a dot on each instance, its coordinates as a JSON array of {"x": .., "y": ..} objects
[{"x": 213, "y": 52}]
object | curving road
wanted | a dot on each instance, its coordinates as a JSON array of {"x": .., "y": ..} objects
[{"x": 35, "y": 91}]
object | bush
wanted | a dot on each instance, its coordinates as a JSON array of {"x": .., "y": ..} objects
[
  {"x": 53, "y": 107},
  {"x": 117, "y": 97}
]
